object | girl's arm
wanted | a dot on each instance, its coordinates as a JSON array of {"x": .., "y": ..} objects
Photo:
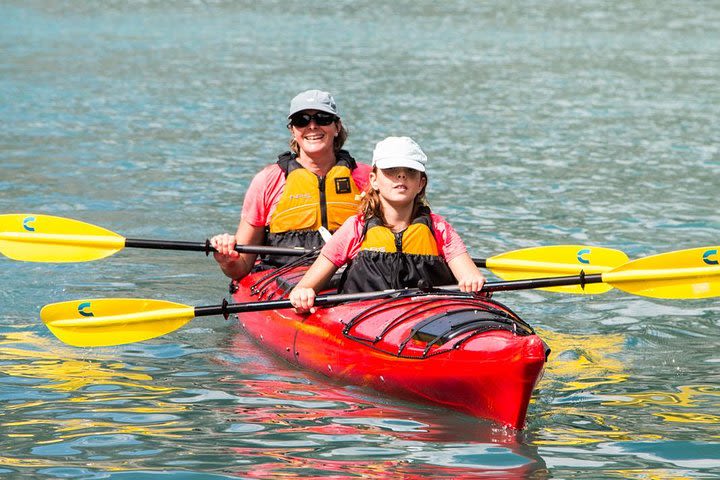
[
  {"x": 461, "y": 264},
  {"x": 466, "y": 272},
  {"x": 302, "y": 296}
]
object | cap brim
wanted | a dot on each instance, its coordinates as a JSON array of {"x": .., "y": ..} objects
[
  {"x": 399, "y": 162},
  {"x": 319, "y": 108}
]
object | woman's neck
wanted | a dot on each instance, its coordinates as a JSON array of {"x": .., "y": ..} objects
[{"x": 319, "y": 164}]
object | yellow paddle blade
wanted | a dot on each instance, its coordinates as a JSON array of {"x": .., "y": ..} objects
[
  {"x": 44, "y": 238},
  {"x": 113, "y": 321},
  {"x": 557, "y": 261},
  {"x": 692, "y": 273}
]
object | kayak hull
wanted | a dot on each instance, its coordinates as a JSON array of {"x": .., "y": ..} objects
[{"x": 469, "y": 354}]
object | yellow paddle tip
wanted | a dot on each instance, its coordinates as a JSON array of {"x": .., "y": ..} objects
[
  {"x": 113, "y": 321},
  {"x": 44, "y": 238},
  {"x": 558, "y": 261}
]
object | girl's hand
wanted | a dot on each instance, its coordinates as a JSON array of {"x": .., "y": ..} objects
[
  {"x": 468, "y": 276},
  {"x": 225, "y": 246},
  {"x": 472, "y": 282},
  {"x": 303, "y": 299}
]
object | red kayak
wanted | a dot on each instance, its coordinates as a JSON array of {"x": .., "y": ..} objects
[{"x": 451, "y": 349}]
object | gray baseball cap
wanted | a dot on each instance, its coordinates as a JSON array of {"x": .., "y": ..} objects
[{"x": 313, "y": 100}]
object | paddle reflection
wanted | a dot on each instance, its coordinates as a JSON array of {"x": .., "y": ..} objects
[
  {"x": 58, "y": 404},
  {"x": 674, "y": 406},
  {"x": 265, "y": 417},
  {"x": 583, "y": 379},
  {"x": 578, "y": 369}
]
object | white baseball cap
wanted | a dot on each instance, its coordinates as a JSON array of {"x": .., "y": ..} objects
[{"x": 399, "y": 152}]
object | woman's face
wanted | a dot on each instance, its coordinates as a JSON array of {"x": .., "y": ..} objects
[{"x": 315, "y": 138}]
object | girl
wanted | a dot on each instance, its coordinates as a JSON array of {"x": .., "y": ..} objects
[{"x": 395, "y": 242}]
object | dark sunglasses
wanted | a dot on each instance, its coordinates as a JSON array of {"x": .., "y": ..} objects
[{"x": 322, "y": 119}]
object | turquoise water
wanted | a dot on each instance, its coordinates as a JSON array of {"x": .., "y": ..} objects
[{"x": 545, "y": 123}]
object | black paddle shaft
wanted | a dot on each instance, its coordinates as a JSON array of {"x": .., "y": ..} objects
[
  {"x": 227, "y": 309},
  {"x": 529, "y": 284},
  {"x": 207, "y": 248}
]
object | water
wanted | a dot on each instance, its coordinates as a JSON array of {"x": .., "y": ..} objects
[{"x": 545, "y": 123}]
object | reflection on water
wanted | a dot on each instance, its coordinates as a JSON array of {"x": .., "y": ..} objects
[
  {"x": 580, "y": 365},
  {"x": 87, "y": 407},
  {"x": 312, "y": 427},
  {"x": 265, "y": 419},
  {"x": 273, "y": 419},
  {"x": 584, "y": 368},
  {"x": 584, "y": 361}
]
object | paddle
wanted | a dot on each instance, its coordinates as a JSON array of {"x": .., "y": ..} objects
[
  {"x": 104, "y": 322},
  {"x": 45, "y": 238}
]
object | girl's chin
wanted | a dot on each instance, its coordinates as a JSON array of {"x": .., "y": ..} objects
[{"x": 398, "y": 200}]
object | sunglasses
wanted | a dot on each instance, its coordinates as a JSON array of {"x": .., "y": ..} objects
[{"x": 322, "y": 119}]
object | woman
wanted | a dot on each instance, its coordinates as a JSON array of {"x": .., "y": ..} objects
[
  {"x": 395, "y": 242},
  {"x": 309, "y": 191}
]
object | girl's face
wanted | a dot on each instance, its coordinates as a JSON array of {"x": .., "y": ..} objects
[
  {"x": 314, "y": 138},
  {"x": 398, "y": 186}
]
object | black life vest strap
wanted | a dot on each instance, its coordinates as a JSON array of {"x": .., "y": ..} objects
[{"x": 288, "y": 161}]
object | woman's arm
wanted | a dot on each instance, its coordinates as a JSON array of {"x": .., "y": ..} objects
[{"x": 233, "y": 264}]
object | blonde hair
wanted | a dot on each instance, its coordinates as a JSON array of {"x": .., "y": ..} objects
[
  {"x": 338, "y": 141},
  {"x": 371, "y": 206}
]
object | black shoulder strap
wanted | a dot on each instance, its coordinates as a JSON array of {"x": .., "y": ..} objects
[
  {"x": 286, "y": 161},
  {"x": 370, "y": 223},
  {"x": 343, "y": 157}
]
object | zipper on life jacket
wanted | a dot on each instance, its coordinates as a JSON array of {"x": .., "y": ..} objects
[
  {"x": 398, "y": 241},
  {"x": 323, "y": 204}
]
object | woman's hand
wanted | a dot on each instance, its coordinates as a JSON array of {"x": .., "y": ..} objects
[
  {"x": 303, "y": 299},
  {"x": 224, "y": 244}
]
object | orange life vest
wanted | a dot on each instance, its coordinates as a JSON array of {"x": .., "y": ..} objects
[
  {"x": 389, "y": 260},
  {"x": 309, "y": 202}
]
